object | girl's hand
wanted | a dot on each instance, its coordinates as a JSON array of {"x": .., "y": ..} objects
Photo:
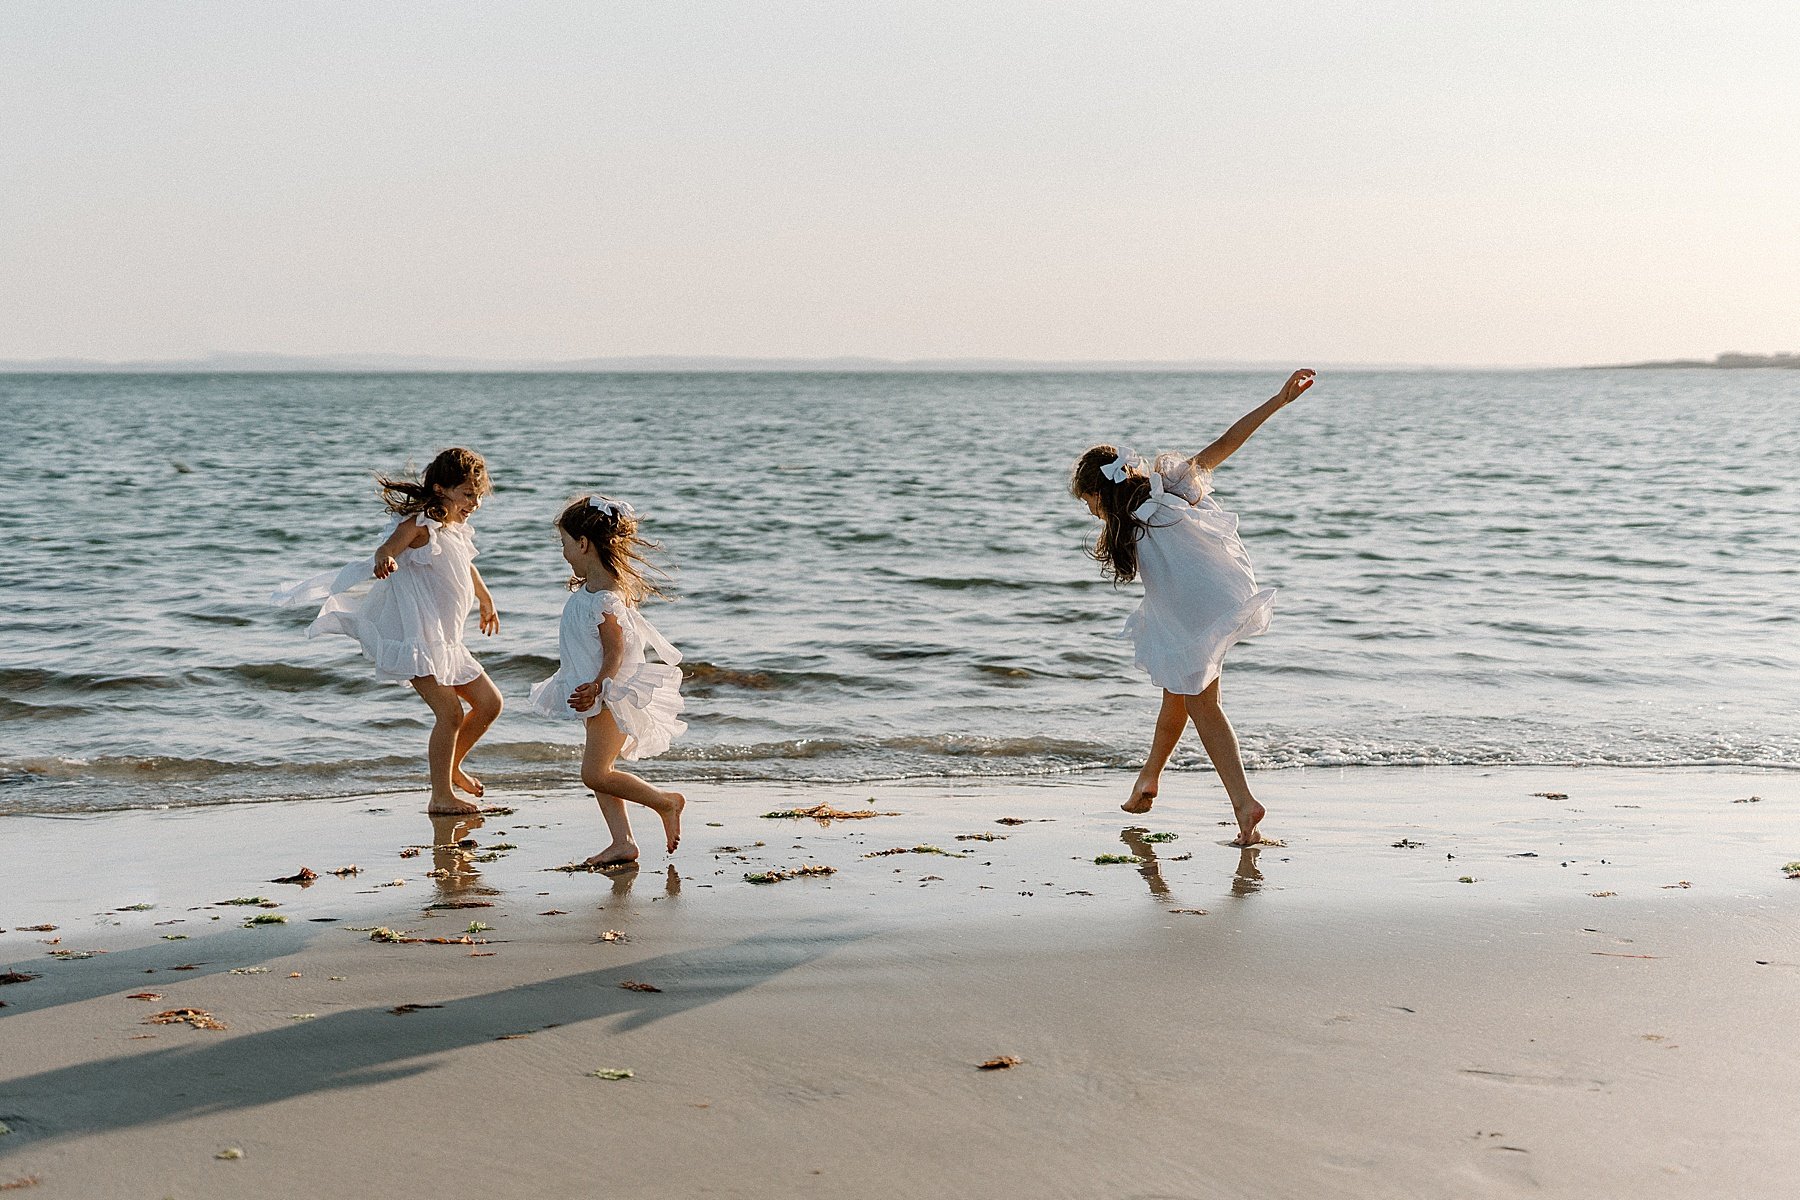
[
  {"x": 490, "y": 619},
  {"x": 1298, "y": 382},
  {"x": 385, "y": 566},
  {"x": 584, "y": 697}
]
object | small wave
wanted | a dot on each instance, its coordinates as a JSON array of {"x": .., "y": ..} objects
[
  {"x": 282, "y": 677},
  {"x": 216, "y": 619},
  {"x": 33, "y": 679},
  {"x": 18, "y": 710}
]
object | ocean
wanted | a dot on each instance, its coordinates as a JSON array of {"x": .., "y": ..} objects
[{"x": 883, "y": 576}]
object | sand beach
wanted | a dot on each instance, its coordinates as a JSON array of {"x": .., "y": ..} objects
[{"x": 1545, "y": 982}]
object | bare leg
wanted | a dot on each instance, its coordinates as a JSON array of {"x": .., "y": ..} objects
[
  {"x": 447, "y": 707},
  {"x": 484, "y": 706},
  {"x": 1221, "y": 745},
  {"x": 600, "y": 773},
  {"x": 1170, "y": 721}
]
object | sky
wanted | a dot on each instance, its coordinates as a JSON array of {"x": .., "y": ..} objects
[{"x": 1497, "y": 183}]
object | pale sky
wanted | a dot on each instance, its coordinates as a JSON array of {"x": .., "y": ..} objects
[{"x": 1564, "y": 181}]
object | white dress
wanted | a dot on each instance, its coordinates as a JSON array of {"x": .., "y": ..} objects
[
  {"x": 644, "y": 696},
  {"x": 1200, "y": 595},
  {"x": 410, "y": 623}
]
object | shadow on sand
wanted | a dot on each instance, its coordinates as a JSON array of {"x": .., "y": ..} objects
[{"x": 372, "y": 1045}]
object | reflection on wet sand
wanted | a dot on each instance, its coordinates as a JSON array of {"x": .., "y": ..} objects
[
  {"x": 1247, "y": 880},
  {"x": 453, "y": 855},
  {"x": 1249, "y": 877},
  {"x": 623, "y": 875},
  {"x": 1133, "y": 837}
]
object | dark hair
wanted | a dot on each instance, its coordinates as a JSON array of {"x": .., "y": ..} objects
[
  {"x": 615, "y": 538},
  {"x": 452, "y": 468},
  {"x": 1116, "y": 547}
]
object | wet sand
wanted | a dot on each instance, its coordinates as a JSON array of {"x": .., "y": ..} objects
[{"x": 1337, "y": 1016}]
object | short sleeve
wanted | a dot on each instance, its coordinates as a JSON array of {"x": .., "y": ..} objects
[{"x": 1182, "y": 478}]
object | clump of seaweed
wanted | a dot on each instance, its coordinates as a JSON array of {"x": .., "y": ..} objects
[
  {"x": 1407, "y": 844},
  {"x": 825, "y": 814},
  {"x": 1791, "y": 870},
  {"x": 303, "y": 877},
  {"x": 247, "y": 901},
  {"x": 264, "y": 919},
  {"x": 922, "y": 848},
  {"x": 815, "y": 869},
  {"x": 982, "y": 837},
  {"x": 610, "y": 1073},
  {"x": 1107, "y": 860},
  {"x": 199, "y": 1018},
  {"x": 1160, "y": 837},
  {"x": 395, "y": 937}
]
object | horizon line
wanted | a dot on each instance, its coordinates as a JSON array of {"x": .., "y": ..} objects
[{"x": 265, "y": 362}]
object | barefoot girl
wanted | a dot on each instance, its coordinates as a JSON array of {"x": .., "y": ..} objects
[
  {"x": 1200, "y": 596},
  {"x": 630, "y": 706},
  {"x": 410, "y": 618}
]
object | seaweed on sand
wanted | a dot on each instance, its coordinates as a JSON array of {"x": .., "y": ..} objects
[
  {"x": 789, "y": 873},
  {"x": 825, "y": 814}
]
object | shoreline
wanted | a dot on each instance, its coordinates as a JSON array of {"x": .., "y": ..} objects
[{"x": 1575, "y": 1022}]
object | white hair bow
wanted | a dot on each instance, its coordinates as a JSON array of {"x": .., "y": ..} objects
[
  {"x": 1120, "y": 467},
  {"x": 614, "y": 508}
]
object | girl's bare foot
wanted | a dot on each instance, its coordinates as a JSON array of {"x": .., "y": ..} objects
[
  {"x": 671, "y": 817},
  {"x": 452, "y": 806},
  {"x": 468, "y": 783},
  {"x": 1248, "y": 818},
  {"x": 615, "y": 855},
  {"x": 1143, "y": 795}
]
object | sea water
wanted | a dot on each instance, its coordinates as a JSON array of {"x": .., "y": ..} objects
[{"x": 883, "y": 575}]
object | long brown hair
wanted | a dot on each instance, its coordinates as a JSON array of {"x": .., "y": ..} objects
[
  {"x": 450, "y": 469},
  {"x": 613, "y": 531},
  {"x": 1116, "y": 547}
]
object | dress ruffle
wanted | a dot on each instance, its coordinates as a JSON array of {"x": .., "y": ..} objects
[
  {"x": 409, "y": 624},
  {"x": 1200, "y": 593},
  {"x": 644, "y": 697}
]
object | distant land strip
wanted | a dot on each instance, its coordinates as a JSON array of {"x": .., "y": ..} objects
[
  {"x": 1725, "y": 362},
  {"x": 376, "y": 364}
]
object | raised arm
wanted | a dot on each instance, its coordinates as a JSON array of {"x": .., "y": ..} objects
[
  {"x": 1232, "y": 439},
  {"x": 406, "y": 535}
]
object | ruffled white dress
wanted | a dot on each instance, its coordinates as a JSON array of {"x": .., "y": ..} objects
[
  {"x": 410, "y": 623},
  {"x": 645, "y": 697},
  {"x": 1200, "y": 595}
]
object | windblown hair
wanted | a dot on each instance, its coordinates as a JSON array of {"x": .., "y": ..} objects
[
  {"x": 1116, "y": 547},
  {"x": 616, "y": 540},
  {"x": 450, "y": 469}
]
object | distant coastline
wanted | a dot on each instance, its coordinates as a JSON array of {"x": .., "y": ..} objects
[
  {"x": 1726, "y": 362},
  {"x": 398, "y": 364}
]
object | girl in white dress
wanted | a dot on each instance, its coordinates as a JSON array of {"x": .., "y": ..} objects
[
  {"x": 1200, "y": 595},
  {"x": 407, "y": 607},
  {"x": 630, "y": 706}
]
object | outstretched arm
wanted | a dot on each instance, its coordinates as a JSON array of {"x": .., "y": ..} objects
[{"x": 1233, "y": 438}]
